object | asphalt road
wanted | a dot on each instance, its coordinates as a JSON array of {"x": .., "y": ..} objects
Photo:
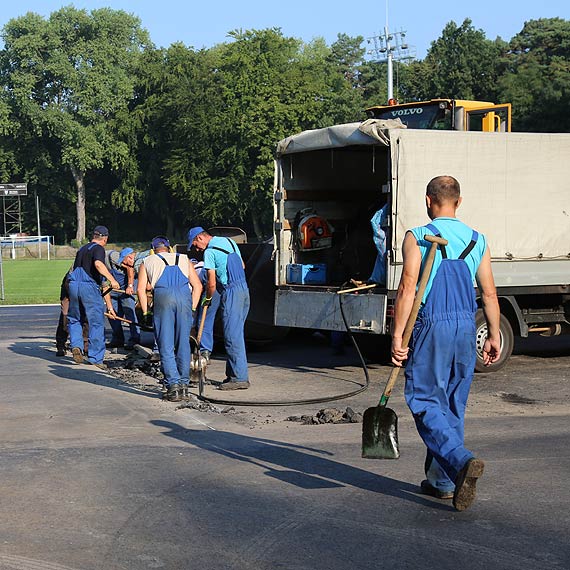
[{"x": 97, "y": 474}]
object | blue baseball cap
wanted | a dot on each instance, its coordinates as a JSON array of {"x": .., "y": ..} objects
[
  {"x": 101, "y": 231},
  {"x": 124, "y": 252},
  {"x": 192, "y": 233},
  {"x": 159, "y": 241}
]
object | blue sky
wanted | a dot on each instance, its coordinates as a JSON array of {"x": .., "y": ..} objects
[{"x": 206, "y": 23}]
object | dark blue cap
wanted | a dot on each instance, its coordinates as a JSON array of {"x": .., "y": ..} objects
[
  {"x": 192, "y": 233},
  {"x": 159, "y": 241}
]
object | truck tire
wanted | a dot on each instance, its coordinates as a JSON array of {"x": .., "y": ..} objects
[{"x": 507, "y": 342}]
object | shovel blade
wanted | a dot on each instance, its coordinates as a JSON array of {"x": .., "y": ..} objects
[{"x": 380, "y": 434}]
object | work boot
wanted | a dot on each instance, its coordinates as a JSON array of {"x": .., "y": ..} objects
[
  {"x": 228, "y": 384},
  {"x": 173, "y": 394},
  {"x": 77, "y": 355},
  {"x": 184, "y": 392},
  {"x": 428, "y": 489},
  {"x": 60, "y": 351},
  {"x": 466, "y": 482}
]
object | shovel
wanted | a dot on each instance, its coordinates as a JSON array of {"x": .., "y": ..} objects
[
  {"x": 142, "y": 327},
  {"x": 197, "y": 350},
  {"x": 380, "y": 424}
]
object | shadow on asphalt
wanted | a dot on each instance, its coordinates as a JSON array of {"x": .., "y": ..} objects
[
  {"x": 64, "y": 367},
  {"x": 543, "y": 347},
  {"x": 295, "y": 464}
]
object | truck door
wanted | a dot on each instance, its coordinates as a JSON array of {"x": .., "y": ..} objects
[{"x": 492, "y": 119}]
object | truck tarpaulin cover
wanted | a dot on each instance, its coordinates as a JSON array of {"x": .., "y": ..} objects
[
  {"x": 370, "y": 132},
  {"x": 515, "y": 187}
]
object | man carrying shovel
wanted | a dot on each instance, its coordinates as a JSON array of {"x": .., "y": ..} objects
[{"x": 441, "y": 356}]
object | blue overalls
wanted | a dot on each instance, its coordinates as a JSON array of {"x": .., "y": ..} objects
[
  {"x": 440, "y": 367},
  {"x": 85, "y": 299},
  {"x": 124, "y": 306},
  {"x": 235, "y": 306},
  {"x": 172, "y": 323}
]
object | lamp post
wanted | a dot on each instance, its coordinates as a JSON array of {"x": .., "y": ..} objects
[{"x": 390, "y": 46}]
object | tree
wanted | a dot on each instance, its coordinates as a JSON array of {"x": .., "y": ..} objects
[
  {"x": 461, "y": 64},
  {"x": 239, "y": 99},
  {"x": 536, "y": 77},
  {"x": 67, "y": 80},
  {"x": 178, "y": 107}
]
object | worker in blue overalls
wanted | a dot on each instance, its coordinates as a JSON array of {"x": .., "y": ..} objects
[
  {"x": 207, "y": 339},
  {"x": 85, "y": 301},
  {"x": 121, "y": 266},
  {"x": 176, "y": 289},
  {"x": 442, "y": 352},
  {"x": 225, "y": 267}
]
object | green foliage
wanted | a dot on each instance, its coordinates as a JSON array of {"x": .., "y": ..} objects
[
  {"x": 165, "y": 138},
  {"x": 65, "y": 80},
  {"x": 536, "y": 76},
  {"x": 461, "y": 64}
]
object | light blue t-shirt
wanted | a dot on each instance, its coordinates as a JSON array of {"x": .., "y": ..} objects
[
  {"x": 218, "y": 260},
  {"x": 459, "y": 236}
]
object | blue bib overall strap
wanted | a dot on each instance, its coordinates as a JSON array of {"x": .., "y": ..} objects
[
  {"x": 172, "y": 322},
  {"x": 440, "y": 367},
  {"x": 235, "y": 307},
  {"x": 234, "y": 267}
]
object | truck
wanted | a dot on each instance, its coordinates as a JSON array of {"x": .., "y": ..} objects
[{"x": 516, "y": 191}]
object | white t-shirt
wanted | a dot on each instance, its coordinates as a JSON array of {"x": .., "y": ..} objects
[{"x": 155, "y": 266}]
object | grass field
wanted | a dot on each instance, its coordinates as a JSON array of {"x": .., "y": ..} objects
[{"x": 33, "y": 281}]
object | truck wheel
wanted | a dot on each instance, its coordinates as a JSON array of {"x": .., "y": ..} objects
[{"x": 507, "y": 342}]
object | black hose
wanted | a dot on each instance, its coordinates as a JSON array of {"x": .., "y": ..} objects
[{"x": 309, "y": 401}]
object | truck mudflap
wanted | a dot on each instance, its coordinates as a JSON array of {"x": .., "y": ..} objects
[{"x": 321, "y": 310}]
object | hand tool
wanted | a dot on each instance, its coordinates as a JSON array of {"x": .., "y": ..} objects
[
  {"x": 142, "y": 327},
  {"x": 379, "y": 423}
]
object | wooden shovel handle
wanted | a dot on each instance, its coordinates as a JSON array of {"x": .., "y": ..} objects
[
  {"x": 118, "y": 318},
  {"x": 201, "y": 327},
  {"x": 435, "y": 242}
]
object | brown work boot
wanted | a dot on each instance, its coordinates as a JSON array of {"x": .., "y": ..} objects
[
  {"x": 174, "y": 393},
  {"x": 466, "y": 482},
  {"x": 77, "y": 355}
]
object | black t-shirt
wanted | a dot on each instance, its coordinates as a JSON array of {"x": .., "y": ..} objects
[{"x": 86, "y": 258}]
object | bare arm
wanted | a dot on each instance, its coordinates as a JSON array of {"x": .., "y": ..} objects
[
  {"x": 130, "y": 270},
  {"x": 102, "y": 269},
  {"x": 491, "y": 310},
  {"x": 196, "y": 284},
  {"x": 109, "y": 305},
  {"x": 141, "y": 288},
  {"x": 405, "y": 296},
  {"x": 211, "y": 284}
]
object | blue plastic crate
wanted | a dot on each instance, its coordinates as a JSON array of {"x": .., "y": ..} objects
[{"x": 307, "y": 273}]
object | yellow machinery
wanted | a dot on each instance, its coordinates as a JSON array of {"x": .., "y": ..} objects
[{"x": 447, "y": 114}]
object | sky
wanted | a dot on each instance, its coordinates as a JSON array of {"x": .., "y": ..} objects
[{"x": 206, "y": 23}]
